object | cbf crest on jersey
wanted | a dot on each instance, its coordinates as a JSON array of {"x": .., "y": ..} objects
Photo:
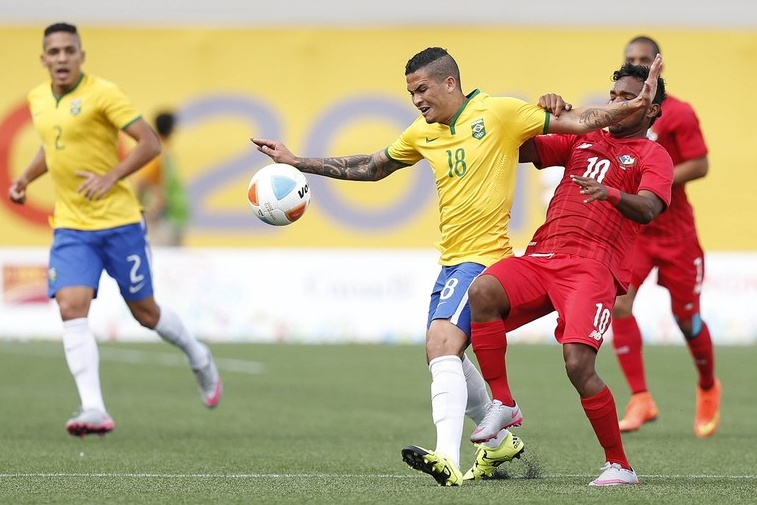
[
  {"x": 75, "y": 106},
  {"x": 478, "y": 129}
]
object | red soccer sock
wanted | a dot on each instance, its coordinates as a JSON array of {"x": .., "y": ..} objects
[
  {"x": 628, "y": 344},
  {"x": 701, "y": 351},
  {"x": 490, "y": 345},
  {"x": 600, "y": 409}
]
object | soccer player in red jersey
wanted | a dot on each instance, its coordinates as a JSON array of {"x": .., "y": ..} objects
[
  {"x": 577, "y": 261},
  {"x": 669, "y": 243}
]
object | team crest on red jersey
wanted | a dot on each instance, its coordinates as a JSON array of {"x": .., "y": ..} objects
[
  {"x": 626, "y": 161},
  {"x": 478, "y": 129}
]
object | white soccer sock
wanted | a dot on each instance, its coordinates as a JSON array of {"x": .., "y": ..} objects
[
  {"x": 172, "y": 329},
  {"x": 83, "y": 360},
  {"x": 478, "y": 395},
  {"x": 448, "y": 398}
]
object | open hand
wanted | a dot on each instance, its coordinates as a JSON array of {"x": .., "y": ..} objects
[
  {"x": 94, "y": 186},
  {"x": 590, "y": 187},
  {"x": 275, "y": 150}
]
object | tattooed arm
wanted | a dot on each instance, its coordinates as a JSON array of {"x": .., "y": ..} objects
[
  {"x": 359, "y": 167},
  {"x": 585, "y": 119}
]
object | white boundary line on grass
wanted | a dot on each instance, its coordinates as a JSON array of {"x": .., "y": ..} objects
[
  {"x": 141, "y": 358},
  {"x": 320, "y": 475},
  {"x": 173, "y": 359}
]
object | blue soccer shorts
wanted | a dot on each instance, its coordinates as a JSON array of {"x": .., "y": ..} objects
[
  {"x": 78, "y": 258},
  {"x": 449, "y": 299}
]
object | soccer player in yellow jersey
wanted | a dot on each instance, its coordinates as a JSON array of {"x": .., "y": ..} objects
[
  {"x": 97, "y": 220},
  {"x": 471, "y": 142}
]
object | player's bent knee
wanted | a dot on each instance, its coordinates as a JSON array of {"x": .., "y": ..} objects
[
  {"x": 486, "y": 295},
  {"x": 579, "y": 364},
  {"x": 146, "y": 312},
  {"x": 147, "y": 321},
  {"x": 74, "y": 302},
  {"x": 445, "y": 339}
]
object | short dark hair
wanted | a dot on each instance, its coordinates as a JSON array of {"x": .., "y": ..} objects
[
  {"x": 60, "y": 27},
  {"x": 641, "y": 73},
  {"x": 647, "y": 40},
  {"x": 165, "y": 123},
  {"x": 437, "y": 61}
]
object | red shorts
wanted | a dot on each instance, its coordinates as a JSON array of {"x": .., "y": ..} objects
[
  {"x": 581, "y": 290},
  {"x": 680, "y": 270}
]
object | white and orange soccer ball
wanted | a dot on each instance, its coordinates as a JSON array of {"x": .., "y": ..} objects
[{"x": 279, "y": 194}]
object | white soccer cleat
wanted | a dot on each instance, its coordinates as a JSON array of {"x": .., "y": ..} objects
[
  {"x": 615, "y": 475},
  {"x": 209, "y": 382},
  {"x": 498, "y": 417},
  {"x": 90, "y": 421}
]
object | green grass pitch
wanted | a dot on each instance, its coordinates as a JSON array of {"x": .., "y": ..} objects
[{"x": 325, "y": 424}]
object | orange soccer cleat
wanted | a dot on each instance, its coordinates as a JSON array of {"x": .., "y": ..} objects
[
  {"x": 707, "y": 418},
  {"x": 641, "y": 409}
]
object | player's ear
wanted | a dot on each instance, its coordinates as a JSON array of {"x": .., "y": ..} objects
[
  {"x": 83, "y": 56},
  {"x": 451, "y": 83},
  {"x": 654, "y": 111}
]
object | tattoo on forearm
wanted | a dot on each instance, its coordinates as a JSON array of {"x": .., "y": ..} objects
[
  {"x": 360, "y": 167},
  {"x": 599, "y": 118}
]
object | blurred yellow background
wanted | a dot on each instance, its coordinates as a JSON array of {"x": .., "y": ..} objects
[{"x": 341, "y": 91}]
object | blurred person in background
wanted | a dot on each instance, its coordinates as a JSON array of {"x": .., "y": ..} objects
[
  {"x": 161, "y": 192},
  {"x": 576, "y": 263},
  {"x": 97, "y": 223},
  {"x": 471, "y": 142},
  {"x": 670, "y": 244}
]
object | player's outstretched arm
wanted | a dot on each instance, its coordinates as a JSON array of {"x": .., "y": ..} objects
[
  {"x": 582, "y": 120},
  {"x": 275, "y": 150},
  {"x": 358, "y": 167}
]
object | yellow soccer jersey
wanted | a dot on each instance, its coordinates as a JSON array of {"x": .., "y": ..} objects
[
  {"x": 79, "y": 131},
  {"x": 475, "y": 161}
]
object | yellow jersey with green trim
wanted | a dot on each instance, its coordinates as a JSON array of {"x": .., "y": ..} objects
[
  {"x": 475, "y": 161},
  {"x": 79, "y": 132}
]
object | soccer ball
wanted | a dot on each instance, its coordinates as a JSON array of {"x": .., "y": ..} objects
[{"x": 278, "y": 194}]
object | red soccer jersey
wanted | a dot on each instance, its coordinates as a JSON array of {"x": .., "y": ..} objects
[
  {"x": 677, "y": 130},
  {"x": 598, "y": 230}
]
